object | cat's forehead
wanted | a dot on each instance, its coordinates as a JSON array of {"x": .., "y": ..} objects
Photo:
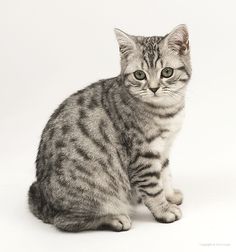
[
  {"x": 149, "y": 42},
  {"x": 149, "y": 49}
]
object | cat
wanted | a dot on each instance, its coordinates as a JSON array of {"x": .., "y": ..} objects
[{"x": 106, "y": 147}]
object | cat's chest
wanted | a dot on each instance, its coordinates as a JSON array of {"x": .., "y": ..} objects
[{"x": 164, "y": 132}]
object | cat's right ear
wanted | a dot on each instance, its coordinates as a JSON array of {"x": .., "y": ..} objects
[
  {"x": 178, "y": 40},
  {"x": 125, "y": 41}
]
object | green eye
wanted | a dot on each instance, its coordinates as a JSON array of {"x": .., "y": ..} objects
[
  {"x": 167, "y": 72},
  {"x": 139, "y": 75}
]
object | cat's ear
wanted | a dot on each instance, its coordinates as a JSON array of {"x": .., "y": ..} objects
[
  {"x": 126, "y": 42},
  {"x": 178, "y": 40}
]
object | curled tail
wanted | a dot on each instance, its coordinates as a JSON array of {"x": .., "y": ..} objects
[{"x": 38, "y": 204}]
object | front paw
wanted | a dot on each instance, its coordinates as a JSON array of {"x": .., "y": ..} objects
[
  {"x": 176, "y": 197},
  {"x": 168, "y": 213}
]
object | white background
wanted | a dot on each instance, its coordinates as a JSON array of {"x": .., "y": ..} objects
[{"x": 51, "y": 48}]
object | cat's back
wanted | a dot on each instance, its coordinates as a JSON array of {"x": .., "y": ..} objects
[
  {"x": 80, "y": 123},
  {"x": 80, "y": 105}
]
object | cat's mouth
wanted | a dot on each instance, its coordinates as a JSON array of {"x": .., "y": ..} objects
[{"x": 156, "y": 95}]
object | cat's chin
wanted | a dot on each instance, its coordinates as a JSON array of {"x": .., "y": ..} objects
[{"x": 160, "y": 101}]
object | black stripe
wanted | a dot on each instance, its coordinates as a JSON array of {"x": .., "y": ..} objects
[
  {"x": 93, "y": 103},
  {"x": 159, "y": 134},
  {"x": 151, "y": 174},
  {"x": 183, "y": 80},
  {"x": 94, "y": 186},
  {"x": 82, "y": 152},
  {"x": 102, "y": 128},
  {"x": 136, "y": 157},
  {"x": 148, "y": 185},
  {"x": 139, "y": 169},
  {"x": 158, "y": 57},
  {"x": 60, "y": 144},
  {"x": 82, "y": 169},
  {"x": 108, "y": 172},
  {"x": 138, "y": 181},
  {"x": 121, "y": 161},
  {"x": 72, "y": 140},
  {"x": 65, "y": 129},
  {"x": 80, "y": 100},
  {"x": 146, "y": 61},
  {"x": 151, "y": 138},
  {"x": 171, "y": 81},
  {"x": 165, "y": 164},
  {"x": 151, "y": 194},
  {"x": 82, "y": 114},
  {"x": 136, "y": 127},
  {"x": 61, "y": 181},
  {"x": 107, "y": 108},
  {"x": 182, "y": 68},
  {"x": 110, "y": 159},
  {"x": 161, "y": 61},
  {"x": 150, "y": 155},
  {"x": 51, "y": 133},
  {"x": 83, "y": 129}
]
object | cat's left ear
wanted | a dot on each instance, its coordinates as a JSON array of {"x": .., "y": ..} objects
[
  {"x": 126, "y": 42},
  {"x": 178, "y": 40}
]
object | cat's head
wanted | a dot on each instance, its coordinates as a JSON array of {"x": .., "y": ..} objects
[{"x": 156, "y": 69}]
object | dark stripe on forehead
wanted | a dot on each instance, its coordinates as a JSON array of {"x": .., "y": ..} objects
[
  {"x": 158, "y": 57},
  {"x": 151, "y": 52},
  {"x": 151, "y": 57},
  {"x": 146, "y": 61},
  {"x": 161, "y": 63}
]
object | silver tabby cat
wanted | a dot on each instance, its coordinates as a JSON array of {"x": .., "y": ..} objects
[{"x": 107, "y": 146}]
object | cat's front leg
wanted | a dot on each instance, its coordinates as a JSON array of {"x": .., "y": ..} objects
[
  {"x": 174, "y": 196},
  {"x": 148, "y": 183},
  {"x": 162, "y": 210}
]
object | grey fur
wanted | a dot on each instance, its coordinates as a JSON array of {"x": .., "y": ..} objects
[{"x": 107, "y": 145}]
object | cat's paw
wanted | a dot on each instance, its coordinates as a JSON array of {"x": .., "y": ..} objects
[
  {"x": 121, "y": 223},
  {"x": 117, "y": 223},
  {"x": 176, "y": 197},
  {"x": 168, "y": 213}
]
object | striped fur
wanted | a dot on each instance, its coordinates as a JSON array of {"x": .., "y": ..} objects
[{"x": 108, "y": 144}]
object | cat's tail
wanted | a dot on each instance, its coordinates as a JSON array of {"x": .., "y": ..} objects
[{"x": 38, "y": 204}]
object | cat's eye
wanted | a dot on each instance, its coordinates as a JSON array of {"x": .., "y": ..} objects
[
  {"x": 139, "y": 75},
  {"x": 167, "y": 72}
]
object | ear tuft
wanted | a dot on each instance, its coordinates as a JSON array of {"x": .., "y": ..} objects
[
  {"x": 178, "y": 40},
  {"x": 125, "y": 41}
]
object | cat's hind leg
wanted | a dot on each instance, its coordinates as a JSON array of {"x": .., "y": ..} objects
[
  {"x": 74, "y": 222},
  {"x": 38, "y": 203}
]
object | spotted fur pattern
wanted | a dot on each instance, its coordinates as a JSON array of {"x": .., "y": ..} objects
[{"x": 107, "y": 145}]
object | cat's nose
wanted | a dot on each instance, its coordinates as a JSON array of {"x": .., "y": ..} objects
[{"x": 154, "y": 89}]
